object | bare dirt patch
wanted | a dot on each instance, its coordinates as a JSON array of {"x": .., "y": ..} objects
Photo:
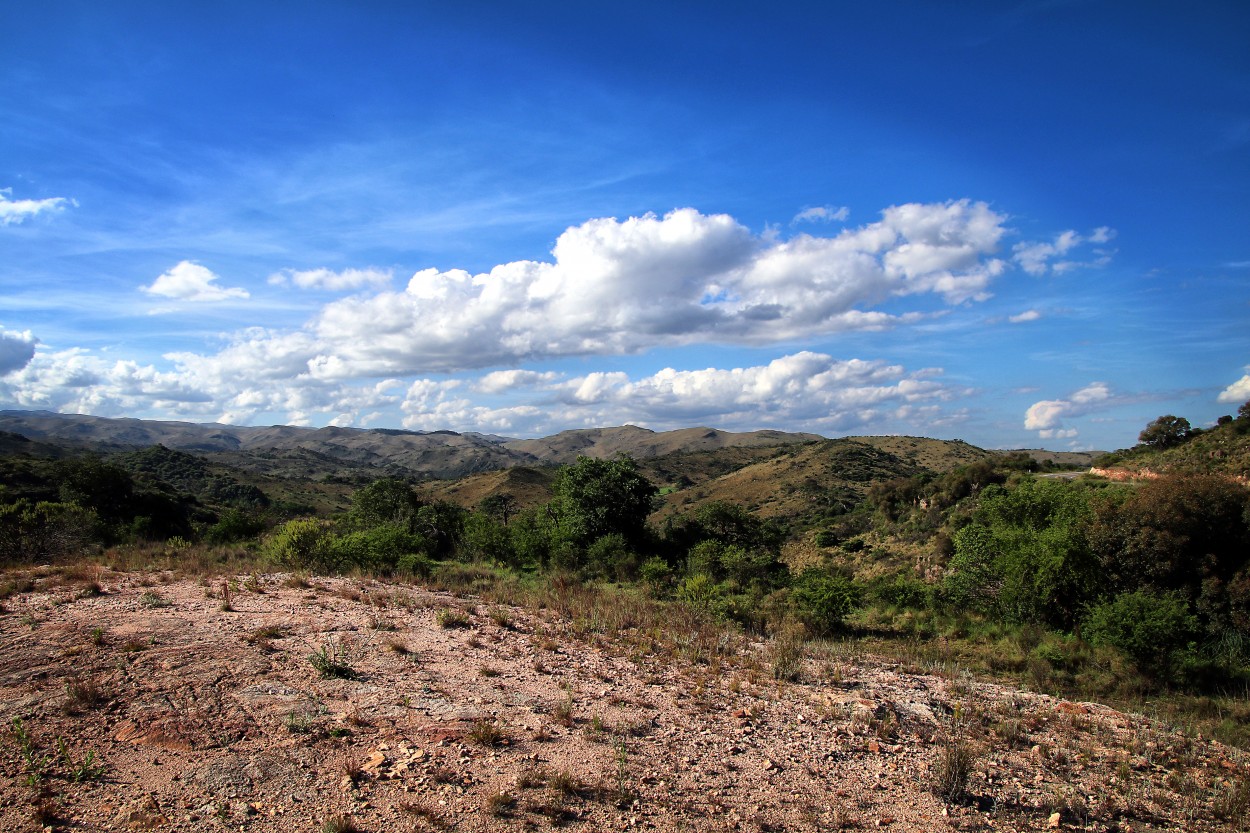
[{"x": 352, "y": 705}]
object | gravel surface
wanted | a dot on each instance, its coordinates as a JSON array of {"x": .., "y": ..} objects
[{"x": 358, "y": 705}]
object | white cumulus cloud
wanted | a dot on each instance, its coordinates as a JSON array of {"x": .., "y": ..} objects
[
  {"x": 803, "y": 391},
  {"x": 16, "y": 350},
  {"x": 1238, "y": 392},
  {"x": 504, "y": 380},
  {"x": 190, "y": 281},
  {"x": 1046, "y": 417},
  {"x": 14, "y": 211},
  {"x": 617, "y": 287},
  {"x": 610, "y": 287},
  {"x": 1027, "y": 315},
  {"x": 1040, "y": 258}
]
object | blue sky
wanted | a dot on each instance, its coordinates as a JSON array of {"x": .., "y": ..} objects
[{"x": 1020, "y": 225}]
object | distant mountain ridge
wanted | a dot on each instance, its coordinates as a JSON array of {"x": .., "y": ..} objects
[{"x": 437, "y": 454}]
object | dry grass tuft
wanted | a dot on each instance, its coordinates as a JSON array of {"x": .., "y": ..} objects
[{"x": 82, "y": 695}]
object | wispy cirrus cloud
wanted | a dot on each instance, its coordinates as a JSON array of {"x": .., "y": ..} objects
[
  {"x": 14, "y": 211},
  {"x": 822, "y": 214},
  {"x": 328, "y": 280}
]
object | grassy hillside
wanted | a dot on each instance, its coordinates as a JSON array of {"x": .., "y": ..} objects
[
  {"x": 528, "y": 486},
  {"x": 804, "y": 484},
  {"x": 1224, "y": 449}
]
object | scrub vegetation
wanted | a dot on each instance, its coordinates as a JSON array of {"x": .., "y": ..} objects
[{"x": 1136, "y": 592}]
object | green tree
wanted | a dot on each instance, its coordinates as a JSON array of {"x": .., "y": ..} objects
[
  {"x": 102, "y": 487},
  {"x": 1165, "y": 432},
  {"x": 485, "y": 538},
  {"x": 1183, "y": 533},
  {"x": 594, "y": 498},
  {"x": 502, "y": 506},
  {"x": 386, "y": 501},
  {"x": 304, "y": 544}
]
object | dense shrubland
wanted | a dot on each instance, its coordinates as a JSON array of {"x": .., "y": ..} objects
[{"x": 1084, "y": 587}]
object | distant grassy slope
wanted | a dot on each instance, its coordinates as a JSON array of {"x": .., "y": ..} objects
[
  {"x": 528, "y": 486},
  {"x": 805, "y": 483},
  {"x": 643, "y": 443}
]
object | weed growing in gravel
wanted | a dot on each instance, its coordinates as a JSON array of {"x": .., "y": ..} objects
[
  {"x": 563, "y": 711},
  {"x": 500, "y": 805},
  {"x": 426, "y": 812},
  {"x": 449, "y": 619},
  {"x": 957, "y": 756},
  {"x": 351, "y": 771},
  {"x": 398, "y": 646},
  {"x": 340, "y": 824},
  {"x": 85, "y": 769},
  {"x": 300, "y": 722},
  {"x": 531, "y": 778},
  {"x": 1233, "y": 801},
  {"x": 487, "y": 733},
  {"x": 96, "y": 636},
  {"x": 153, "y": 599},
  {"x": 787, "y": 654},
  {"x": 38, "y": 763},
  {"x": 91, "y": 590},
  {"x": 261, "y": 636},
  {"x": 46, "y": 814},
  {"x": 501, "y": 618},
  {"x": 565, "y": 783},
  {"x": 381, "y": 623},
  {"x": 330, "y": 663},
  {"x": 624, "y": 795},
  {"x": 297, "y": 581}
]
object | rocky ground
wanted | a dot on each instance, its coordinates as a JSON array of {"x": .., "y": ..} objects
[{"x": 146, "y": 702}]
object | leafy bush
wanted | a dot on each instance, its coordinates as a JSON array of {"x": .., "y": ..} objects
[
  {"x": 701, "y": 592},
  {"x": 378, "y": 549},
  {"x": 303, "y": 544},
  {"x": 234, "y": 525},
  {"x": 1153, "y": 629},
  {"x": 1025, "y": 557},
  {"x": 30, "y": 531},
  {"x": 610, "y": 556},
  {"x": 821, "y": 600}
]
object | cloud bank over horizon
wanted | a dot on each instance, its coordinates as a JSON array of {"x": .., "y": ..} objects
[{"x": 611, "y": 288}]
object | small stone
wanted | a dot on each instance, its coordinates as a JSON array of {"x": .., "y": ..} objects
[{"x": 1053, "y": 821}]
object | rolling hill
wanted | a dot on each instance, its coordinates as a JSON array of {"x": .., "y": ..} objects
[{"x": 369, "y": 453}]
